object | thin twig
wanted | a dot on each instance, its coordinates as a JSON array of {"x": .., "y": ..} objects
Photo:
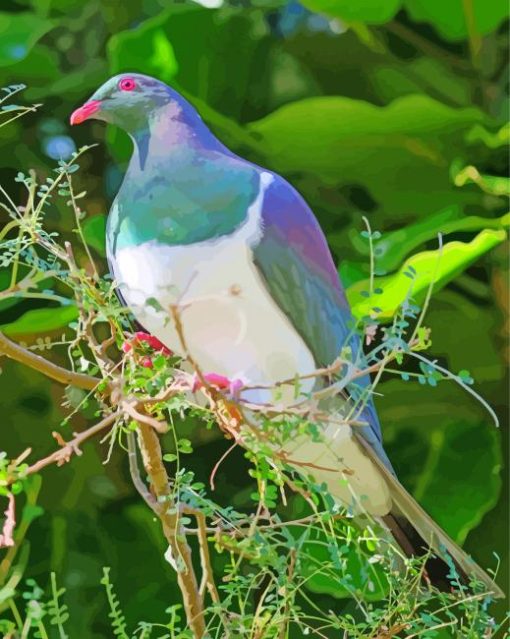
[
  {"x": 71, "y": 447},
  {"x": 205, "y": 560}
]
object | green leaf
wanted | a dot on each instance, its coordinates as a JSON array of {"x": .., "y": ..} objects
[
  {"x": 450, "y": 19},
  {"x": 184, "y": 446},
  {"x": 393, "y": 247},
  {"x": 420, "y": 75},
  {"x": 491, "y": 184},
  {"x": 343, "y": 570},
  {"x": 455, "y": 258},
  {"x": 432, "y": 438},
  {"x": 369, "y": 11},
  {"x": 18, "y": 34},
  {"x": 94, "y": 230},
  {"x": 492, "y": 140},
  {"x": 41, "y": 320},
  {"x": 392, "y": 152},
  {"x": 146, "y": 44}
]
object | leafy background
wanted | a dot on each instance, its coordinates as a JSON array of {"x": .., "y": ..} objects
[{"x": 370, "y": 109}]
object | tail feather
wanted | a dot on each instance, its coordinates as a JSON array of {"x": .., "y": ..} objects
[
  {"x": 416, "y": 532},
  {"x": 437, "y": 571}
]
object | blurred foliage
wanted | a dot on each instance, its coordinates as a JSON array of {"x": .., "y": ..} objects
[{"x": 393, "y": 110}]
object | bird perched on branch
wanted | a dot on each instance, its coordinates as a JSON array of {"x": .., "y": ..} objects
[{"x": 238, "y": 251}]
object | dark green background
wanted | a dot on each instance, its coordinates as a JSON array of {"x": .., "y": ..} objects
[{"x": 365, "y": 112}]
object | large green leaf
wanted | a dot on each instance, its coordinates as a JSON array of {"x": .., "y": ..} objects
[
  {"x": 444, "y": 449},
  {"x": 393, "y": 247},
  {"x": 41, "y": 320},
  {"x": 420, "y": 75},
  {"x": 39, "y": 69},
  {"x": 370, "y": 11},
  {"x": 439, "y": 266},
  {"x": 400, "y": 154},
  {"x": 451, "y": 18},
  {"x": 18, "y": 34},
  {"x": 207, "y": 73}
]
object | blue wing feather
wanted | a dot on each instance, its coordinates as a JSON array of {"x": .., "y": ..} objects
[{"x": 296, "y": 265}]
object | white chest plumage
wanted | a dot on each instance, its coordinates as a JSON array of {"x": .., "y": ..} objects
[{"x": 231, "y": 325}]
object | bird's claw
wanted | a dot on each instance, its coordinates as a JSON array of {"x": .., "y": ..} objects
[{"x": 219, "y": 382}]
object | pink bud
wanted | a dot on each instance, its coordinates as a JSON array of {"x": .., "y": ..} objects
[
  {"x": 127, "y": 347},
  {"x": 147, "y": 362}
]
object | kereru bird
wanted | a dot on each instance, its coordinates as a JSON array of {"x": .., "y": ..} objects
[{"x": 240, "y": 253}]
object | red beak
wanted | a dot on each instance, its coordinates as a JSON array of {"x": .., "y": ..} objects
[{"x": 85, "y": 111}]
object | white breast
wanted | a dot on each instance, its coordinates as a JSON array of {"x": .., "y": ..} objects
[{"x": 231, "y": 324}]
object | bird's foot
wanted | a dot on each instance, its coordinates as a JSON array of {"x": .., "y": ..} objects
[
  {"x": 141, "y": 341},
  {"x": 219, "y": 382}
]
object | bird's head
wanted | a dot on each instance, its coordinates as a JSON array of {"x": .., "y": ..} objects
[{"x": 129, "y": 100}]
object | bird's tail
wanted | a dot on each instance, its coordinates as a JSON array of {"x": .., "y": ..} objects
[
  {"x": 384, "y": 499},
  {"x": 417, "y": 533}
]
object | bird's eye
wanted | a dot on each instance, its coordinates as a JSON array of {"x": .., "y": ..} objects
[{"x": 127, "y": 84}]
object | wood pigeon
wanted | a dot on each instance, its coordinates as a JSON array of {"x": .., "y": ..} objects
[{"x": 239, "y": 252}]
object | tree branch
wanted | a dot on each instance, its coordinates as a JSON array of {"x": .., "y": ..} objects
[
  {"x": 53, "y": 371},
  {"x": 173, "y": 530}
]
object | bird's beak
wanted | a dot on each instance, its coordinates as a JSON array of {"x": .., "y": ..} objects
[{"x": 85, "y": 111}]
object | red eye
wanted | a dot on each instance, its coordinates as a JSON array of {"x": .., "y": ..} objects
[{"x": 127, "y": 84}]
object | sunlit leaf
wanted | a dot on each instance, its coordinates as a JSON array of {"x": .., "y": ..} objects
[
  {"x": 455, "y": 257},
  {"x": 493, "y": 140},
  {"x": 492, "y": 184},
  {"x": 451, "y": 19},
  {"x": 393, "y": 247}
]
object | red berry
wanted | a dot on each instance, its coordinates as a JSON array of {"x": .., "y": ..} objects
[{"x": 144, "y": 338}]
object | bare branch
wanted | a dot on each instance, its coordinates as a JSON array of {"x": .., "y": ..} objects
[
  {"x": 173, "y": 530},
  {"x": 53, "y": 371}
]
